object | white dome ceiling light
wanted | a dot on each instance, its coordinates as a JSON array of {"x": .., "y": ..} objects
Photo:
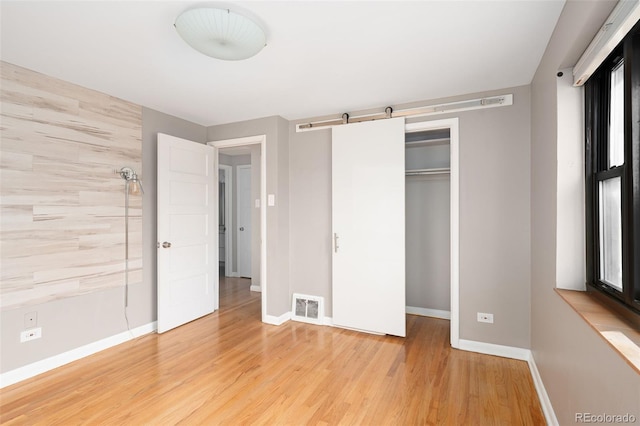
[{"x": 221, "y": 33}]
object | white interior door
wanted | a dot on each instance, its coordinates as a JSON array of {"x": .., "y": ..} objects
[
  {"x": 187, "y": 231},
  {"x": 244, "y": 221},
  {"x": 368, "y": 226}
]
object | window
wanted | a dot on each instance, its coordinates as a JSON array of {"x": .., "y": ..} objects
[{"x": 612, "y": 165}]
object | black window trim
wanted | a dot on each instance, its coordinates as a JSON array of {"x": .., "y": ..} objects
[{"x": 597, "y": 100}]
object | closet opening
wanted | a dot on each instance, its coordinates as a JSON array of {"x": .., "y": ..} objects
[{"x": 428, "y": 222}]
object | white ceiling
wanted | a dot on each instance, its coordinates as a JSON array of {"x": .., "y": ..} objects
[{"x": 321, "y": 57}]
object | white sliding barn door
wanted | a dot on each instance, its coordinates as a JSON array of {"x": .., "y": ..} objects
[
  {"x": 187, "y": 231},
  {"x": 369, "y": 226}
]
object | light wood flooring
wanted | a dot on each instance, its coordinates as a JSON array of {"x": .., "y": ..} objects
[{"x": 229, "y": 368}]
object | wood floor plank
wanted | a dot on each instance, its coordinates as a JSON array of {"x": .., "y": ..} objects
[{"x": 229, "y": 368}]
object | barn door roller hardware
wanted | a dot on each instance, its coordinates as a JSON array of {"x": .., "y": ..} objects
[{"x": 488, "y": 102}]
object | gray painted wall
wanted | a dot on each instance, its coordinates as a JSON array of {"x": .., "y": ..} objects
[
  {"x": 277, "y": 156},
  {"x": 494, "y": 216},
  {"x": 310, "y": 213},
  {"x": 427, "y": 236},
  {"x": 495, "y": 222},
  {"x": 91, "y": 317},
  {"x": 428, "y": 259},
  {"x": 255, "y": 216},
  {"x": 427, "y": 157},
  {"x": 580, "y": 371}
]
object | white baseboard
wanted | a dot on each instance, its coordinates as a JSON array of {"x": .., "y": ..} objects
[
  {"x": 270, "y": 319},
  {"x": 39, "y": 367},
  {"x": 256, "y": 288},
  {"x": 426, "y": 312},
  {"x": 545, "y": 402},
  {"x": 232, "y": 274},
  {"x": 493, "y": 349}
]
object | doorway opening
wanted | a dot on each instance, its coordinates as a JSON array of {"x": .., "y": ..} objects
[
  {"x": 449, "y": 126},
  {"x": 427, "y": 215},
  {"x": 244, "y": 220}
]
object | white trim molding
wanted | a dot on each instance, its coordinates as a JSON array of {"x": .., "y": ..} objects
[
  {"x": 545, "y": 402},
  {"x": 255, "y": 288},
  {"x": 493, "y": 349},
  {"x": 273, "y": 320},
  {"x": 426, "y": 312},
  {"x": 42, "y": 366}
]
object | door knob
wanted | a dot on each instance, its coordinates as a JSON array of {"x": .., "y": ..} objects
[
  {"x": 242, "y": 228},
  {"x": 166, "y": 244}
]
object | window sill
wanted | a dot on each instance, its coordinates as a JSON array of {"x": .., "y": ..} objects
[{"x": 619, "y": 333}]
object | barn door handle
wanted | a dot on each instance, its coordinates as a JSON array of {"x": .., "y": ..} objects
[
  {"x": 335, "y": 242},
  {"x": 166, "y": 244}
]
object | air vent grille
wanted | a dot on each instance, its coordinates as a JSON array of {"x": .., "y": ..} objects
[{"x": 307, "y": 308}]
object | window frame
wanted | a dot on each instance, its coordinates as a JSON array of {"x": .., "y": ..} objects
[{"x": 597, "y": 109}]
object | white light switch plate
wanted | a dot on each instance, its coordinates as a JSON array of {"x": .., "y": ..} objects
[{"x": 271, "y": 200}]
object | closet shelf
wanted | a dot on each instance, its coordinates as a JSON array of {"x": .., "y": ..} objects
[{"x": 434, "y": 171}]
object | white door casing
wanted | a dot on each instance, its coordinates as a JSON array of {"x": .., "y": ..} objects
[
  {"x": 228, "y": 211},
  {"x": 368, "y": 217},
  {"x": 187, "y": 231},
  {"x": 244, "y": 220},
  {"x": 221, "y": 228}
]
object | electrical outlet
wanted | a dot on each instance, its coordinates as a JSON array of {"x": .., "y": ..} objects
[
  {"x": 33, "y": 334},
  {"x": 482, "y": 317},
  {"x": 30, "y": 320}
]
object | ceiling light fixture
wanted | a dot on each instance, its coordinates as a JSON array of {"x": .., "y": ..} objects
[{"x": 221, "y": 33}]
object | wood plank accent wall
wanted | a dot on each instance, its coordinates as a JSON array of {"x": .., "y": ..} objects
[{"x": 62, "y": 228}]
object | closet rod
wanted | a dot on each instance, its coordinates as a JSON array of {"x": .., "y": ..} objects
[{"x": 443, "y": 171}]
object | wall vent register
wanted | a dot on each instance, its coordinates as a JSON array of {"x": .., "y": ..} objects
[{"x": 308, "y": 309}]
